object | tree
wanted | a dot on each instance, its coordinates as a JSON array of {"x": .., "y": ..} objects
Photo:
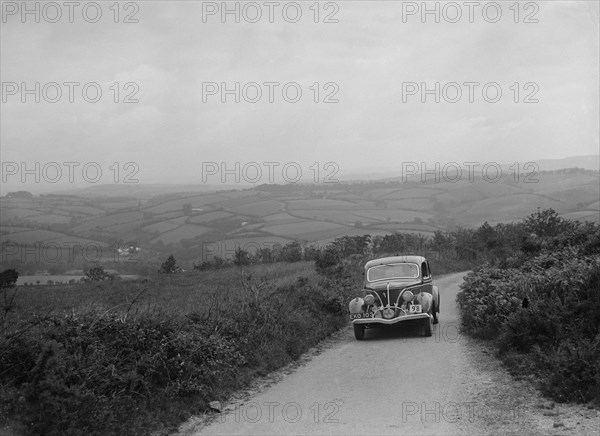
[
  {"x": 169, "y": 266},
  {"x": 328, "y": 258},
  {"x": 265, "y": 255},
  {"x": 8, "y": 278},
  {"x": 487, "y": 236},
  {"x": 291, "y": 252},
  {"x": 310, "y": 252},
  {"x": 546, "y": 223},
  {"x": 241, "y": 257},
  {"x": 218, "y": 262},
  {"x": 20, "y": 194},
  {"x": 96, "y": 274}
]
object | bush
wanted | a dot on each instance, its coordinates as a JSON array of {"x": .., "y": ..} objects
[
  {"x": 328, "y": 258},
  {"x": 97, "y": 274},
  {"x": 555, "y": 335},
  {"x": 169, "y": 266}
]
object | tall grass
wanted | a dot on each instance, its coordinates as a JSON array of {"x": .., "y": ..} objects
[{"x": 134, "y": 358}]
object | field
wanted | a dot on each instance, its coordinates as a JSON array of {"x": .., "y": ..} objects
[
  {"x": 187, "y": 231},
  {"x": 311, "y": 231},
  {"x": 108, "y": 220},
  {"x": 160, "y": 222},
  {"x": 209, "y": 216},
  {"x": 259, "y": 208},
  {"x": 190, "y": 290},
  {"x": 56, "y": 280},
  {"x": 30, "y": 237}
]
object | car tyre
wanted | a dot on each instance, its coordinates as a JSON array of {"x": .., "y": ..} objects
[
  {"x": 434, "y": 312},
  {"x": 428, "y": 326},
  {"x": 359, "y": 332}
]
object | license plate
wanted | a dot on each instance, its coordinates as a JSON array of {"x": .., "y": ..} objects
[
  {"x": 416, "y": 308},
  {"x": 362, "y": 315}
]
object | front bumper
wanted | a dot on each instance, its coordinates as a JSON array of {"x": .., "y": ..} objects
[{"x": 391, "y": 321}]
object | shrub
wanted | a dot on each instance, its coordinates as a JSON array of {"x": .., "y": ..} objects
[
  {"x": 555, "y": 335},
  {"x": 97, "y": 274},
  {"x": 328, "y": 258},
  {"x": 169, "y": 266}
]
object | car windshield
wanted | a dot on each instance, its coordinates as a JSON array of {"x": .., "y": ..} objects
[{"x": 393, "y": 271}]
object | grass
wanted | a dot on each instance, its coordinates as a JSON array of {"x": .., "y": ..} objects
[
  {"x": 176, "y": 294},
  {"x": 307, "y": 230},
  {"x": 185, "y": 231},
  {"x": 137, "y": 358}
]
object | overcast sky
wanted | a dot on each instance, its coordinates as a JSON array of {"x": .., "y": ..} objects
[{"x": 368, "y": 54}]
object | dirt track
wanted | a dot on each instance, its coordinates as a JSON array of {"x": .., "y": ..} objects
[{"x": 396, "y": 382}]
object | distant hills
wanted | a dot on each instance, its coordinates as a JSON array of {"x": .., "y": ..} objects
[
  {"x": 588, "y": 162},
  {"x": 164, "y": 218}
]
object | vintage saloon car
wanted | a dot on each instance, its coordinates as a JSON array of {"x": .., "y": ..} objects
[{"x": 396, "y": 289}]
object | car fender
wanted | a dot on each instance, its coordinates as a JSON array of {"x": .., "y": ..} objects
[
  {"x": 425, "y": 299},
  {"x": 436, "y": 297}
]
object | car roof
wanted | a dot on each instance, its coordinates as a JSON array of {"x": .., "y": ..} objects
[{"x": 395, "y": 259}]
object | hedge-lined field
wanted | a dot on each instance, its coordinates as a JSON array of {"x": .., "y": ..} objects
[{"x": 541, "y": 307}]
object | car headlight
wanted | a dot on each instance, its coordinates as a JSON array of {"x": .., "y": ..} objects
[
  {"x": 407, "y": 296},
  {"x": 369, "y": 299},
  {"x": 355, "y": 305},
  {"x": 388, "y": 313}
]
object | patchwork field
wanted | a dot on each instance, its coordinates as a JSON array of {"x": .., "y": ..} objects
[
  {"x": 259, "y": 208},
  {"x": 50, "y": 219},
  {"x": 186, "y": 231},
  {"x": 195, "y": 201},
  {"x": 30, "y": 237},
  {"x": 208, "y": 217},
  {"x": 504, "y": 208},
  {"x": 307, "y": 230},
  {"x": 164, "y": 222},
  {"x": 109, "y": 220}
]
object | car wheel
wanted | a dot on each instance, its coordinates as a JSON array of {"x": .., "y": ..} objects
[
  {"x": 427, "y": 326},
  {"x": 359, "y": 332},
  {"x": 434, "y": 312}
]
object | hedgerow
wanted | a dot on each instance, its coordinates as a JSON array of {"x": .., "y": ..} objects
[{"x": 541, "y": 307}]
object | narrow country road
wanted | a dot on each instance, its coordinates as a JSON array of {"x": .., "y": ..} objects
[{"x": 395, "y": 382}]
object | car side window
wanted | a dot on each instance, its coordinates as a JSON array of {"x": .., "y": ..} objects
[{"x": 425, "y": 269}]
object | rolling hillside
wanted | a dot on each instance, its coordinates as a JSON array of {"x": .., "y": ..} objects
[{"x": 159, "y": 222}]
